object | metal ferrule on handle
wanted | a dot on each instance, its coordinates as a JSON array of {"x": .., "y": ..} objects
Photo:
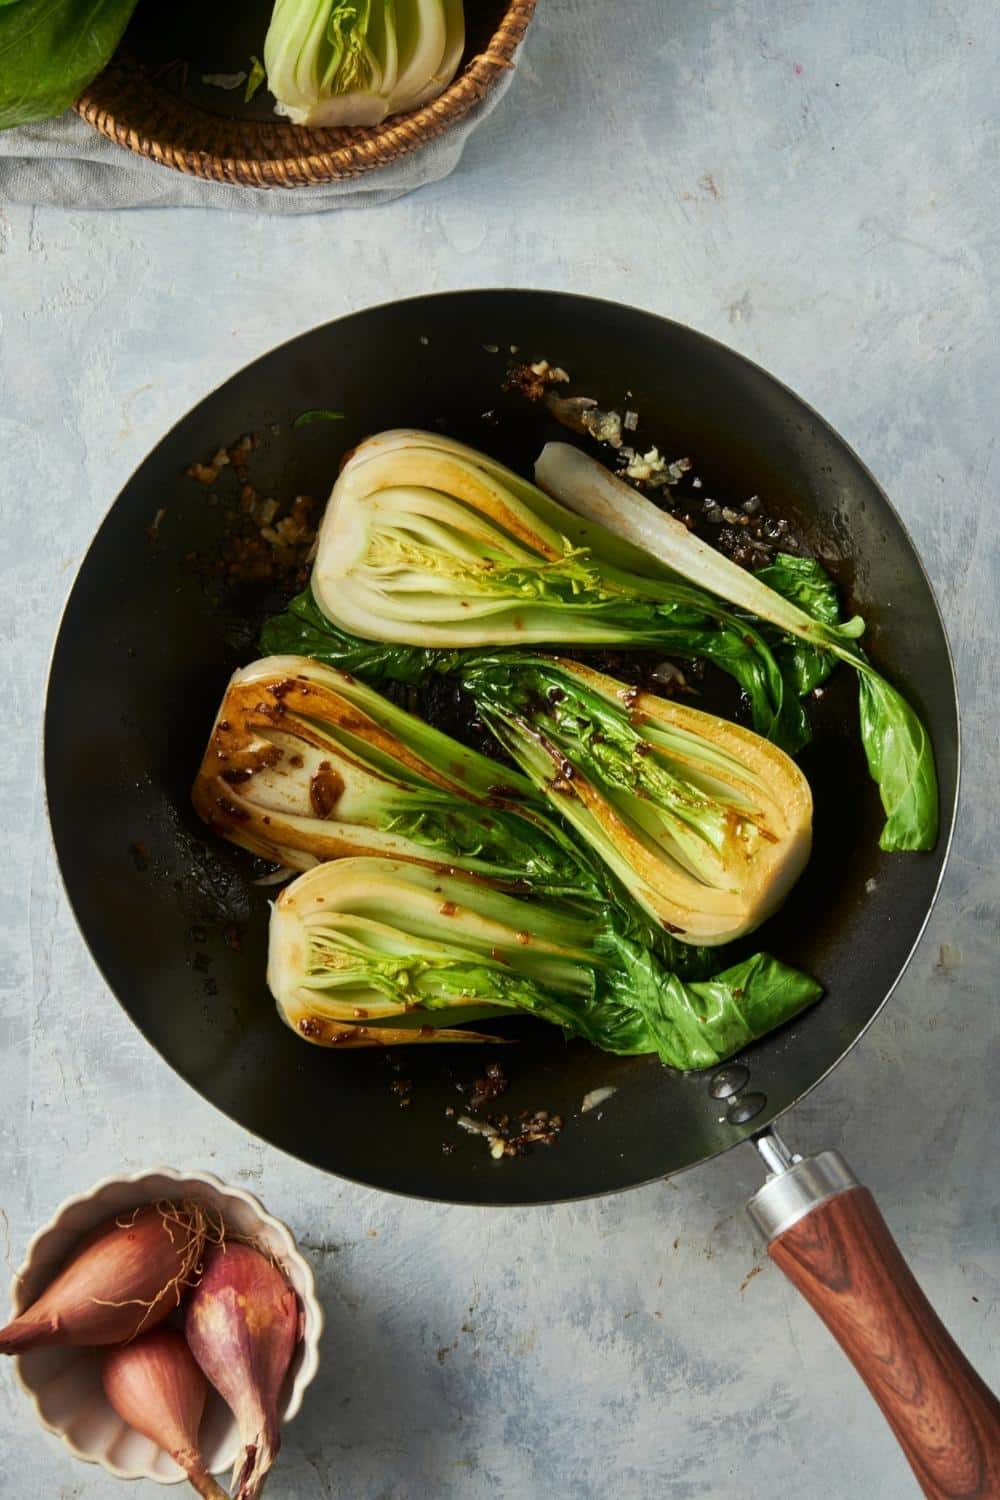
[{"x": 795, "y": 1185}]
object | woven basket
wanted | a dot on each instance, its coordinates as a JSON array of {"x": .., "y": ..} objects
[{"x": 129, "y": 104}]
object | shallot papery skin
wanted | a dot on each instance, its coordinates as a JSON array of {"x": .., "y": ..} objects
[
  {"x": 124, "y": 1276},
  {"x": 242, "y": 1327},
  {"x": 155, "y": 1385}
]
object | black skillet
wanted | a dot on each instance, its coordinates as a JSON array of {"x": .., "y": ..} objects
[{"x": 149, "y": 638}]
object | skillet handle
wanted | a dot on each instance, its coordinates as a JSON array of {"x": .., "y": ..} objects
[{"x": 826, "y": 1233}]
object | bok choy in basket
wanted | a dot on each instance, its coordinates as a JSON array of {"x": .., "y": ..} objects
[
  {"x": 328, "y": 62},
  {"x": 353, "y": 62}
]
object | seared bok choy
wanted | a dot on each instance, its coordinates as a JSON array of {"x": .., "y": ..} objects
[
  {"x": 705, "y": 824},
  {"x": 428, "y": 543},
  {"x": 353, "y": 62},
  {"x": 897, "y": 746},
  {"x": 359, "y": 945},
  {"x": 306, "y": 764}
]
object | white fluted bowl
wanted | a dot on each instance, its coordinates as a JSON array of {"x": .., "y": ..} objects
[{"x": 65, "y": 1384}]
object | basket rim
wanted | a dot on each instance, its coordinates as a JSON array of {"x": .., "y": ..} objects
[{"x": 396, "y": 137}]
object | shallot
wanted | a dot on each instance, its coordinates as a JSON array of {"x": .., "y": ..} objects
[
  {"x": 125, "y": 1276},
  {"x": 155, "y": 1385},
  {"x": 242, "y": 1327}
]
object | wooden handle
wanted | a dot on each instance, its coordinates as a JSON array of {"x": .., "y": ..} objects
[{"x": 843, "y": 1259}]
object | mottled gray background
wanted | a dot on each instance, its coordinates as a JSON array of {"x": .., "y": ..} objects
[{"x": 816, "y": 185}]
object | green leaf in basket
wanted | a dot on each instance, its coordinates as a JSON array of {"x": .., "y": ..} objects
[
  {"x": 256, "y": 77},
  {"x": 50, "y": 50}
]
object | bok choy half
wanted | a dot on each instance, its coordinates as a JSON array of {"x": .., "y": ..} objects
[
  {"x": 306, "y": 764},
  {"x": 897, "y": 746},
  {"x": 428, "y": 543},
  {"x": 706, "y": 825},
  {"x": 353, "y": 62},
  {"x": 362, "y": 945}
]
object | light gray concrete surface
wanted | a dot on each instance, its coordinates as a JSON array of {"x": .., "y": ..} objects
[{"x": 815, "y": 185}]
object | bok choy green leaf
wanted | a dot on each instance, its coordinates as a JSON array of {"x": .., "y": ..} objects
[
  {"x": 897, "y": 747},
  {"x": 304, "y": 630},
  {"x": 806, "y": 583},
  {"x": 50, "y": 50},
  {"x": 358, "y": 945}
]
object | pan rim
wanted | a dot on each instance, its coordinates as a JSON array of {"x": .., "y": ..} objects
[{"x": 949, "y": 815}]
